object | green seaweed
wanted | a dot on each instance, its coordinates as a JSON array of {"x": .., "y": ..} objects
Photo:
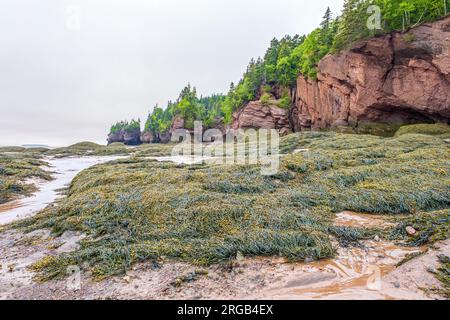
[{"x": 136, "y": 209}]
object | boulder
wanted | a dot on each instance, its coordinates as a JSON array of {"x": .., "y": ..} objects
[{"x": 115, "y": 137}]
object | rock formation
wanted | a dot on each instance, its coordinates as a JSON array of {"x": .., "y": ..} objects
[
  {"x": 129, "y": 137},
  {"x": 147, "y": 137},
  {"x": 132, "y": 137},
  {"x": 115, "y": 137},
  {"x": 177, "y": 124},
  {"x": 256, "y": 115},
  {"x": 394, "y": 78}
]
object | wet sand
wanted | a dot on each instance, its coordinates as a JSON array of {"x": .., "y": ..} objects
[
  {"x": 356, "y": 274},
  {"x": 353, "y": 219},
  {"x": 367, "y": 272}
]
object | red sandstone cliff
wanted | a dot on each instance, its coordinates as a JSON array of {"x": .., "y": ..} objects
[
  {"x": 256, "y": 115},
  {"x": 395, "y": 78}
]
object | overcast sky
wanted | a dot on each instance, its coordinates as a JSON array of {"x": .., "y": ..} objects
[{"x": 69, "y": 69}]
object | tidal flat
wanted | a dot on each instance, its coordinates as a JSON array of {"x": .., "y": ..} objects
[{"x": 134, "y": 211}]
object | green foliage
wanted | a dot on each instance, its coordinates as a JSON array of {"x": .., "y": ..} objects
[
  {"x": 430, "y": 129},
  {"x": 89, "y": 149},
  {"x": 285, "y": 101},
  {"x": 395, "y": 15},
  {"x": 265, "y": 99},
  {"x": 350, "y": 236},
  {"x": 116, "y": 144},
  {"x": 287, "y": 58},
  {"x": 126, "y": 126},
  {"x": 196, "y": 219},
  {"x": 283, "y": 61},
  {"x": 379, "y": 175},
  {"x": 12, "y": 149},
  {"x": 409, "y": 37},
  {"x": 442, "y": 273},
  {"x": 313, "y": 49},
  {"x": 431, "y": 227},
  {"x": 85, "y": 145},
  {"x": 189, "y": 107},
  {"x": 118, "y": 126}
]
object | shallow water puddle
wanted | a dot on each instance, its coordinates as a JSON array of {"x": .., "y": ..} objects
[
  {"x": 355, "y": 273},
  {"x": 358, "y": 273},
  {"x": 181, "y": 159},
  {"x": 65, "y": 170},
  {"x": 352, "y": 219}
]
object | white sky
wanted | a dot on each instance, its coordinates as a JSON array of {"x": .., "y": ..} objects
[{"x": 60, "y": 84}]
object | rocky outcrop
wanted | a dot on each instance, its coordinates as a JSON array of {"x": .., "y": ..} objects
[
  {"x": 163, "y": 137},
  {"x": 132, "y": 137},
  {"x": 256, "y": 115},
  {"x": 394, "y": 78},
  {"x": 129, "y": 137},
  {"x": 115, "y": 137},
  {"x": 147, "y": 137},
  {"x": 378, "y": 84},
  {"x": 177, "y": 124}
]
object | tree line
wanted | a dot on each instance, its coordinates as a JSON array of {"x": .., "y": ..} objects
[{"x": 292, "y": 56}]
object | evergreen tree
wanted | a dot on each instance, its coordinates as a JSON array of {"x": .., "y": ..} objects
[
  {"x": 289, "y": 57},
  {"x": 270, "y": 61},
  {"x": 347, "y": 25},
  {"x": 325, "y": 24}
]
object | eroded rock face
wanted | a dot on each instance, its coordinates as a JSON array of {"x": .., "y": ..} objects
[
  {"x": 386, "y": 79},
  {"x": 132, "y": 137},
  {"x": 115, "y": 137},
  {"x": 147, "y": 137},
  {"x": 128, "y": 137},
  {"x": 163, "y": 137},
  {"x": 256, "y": 115}
]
